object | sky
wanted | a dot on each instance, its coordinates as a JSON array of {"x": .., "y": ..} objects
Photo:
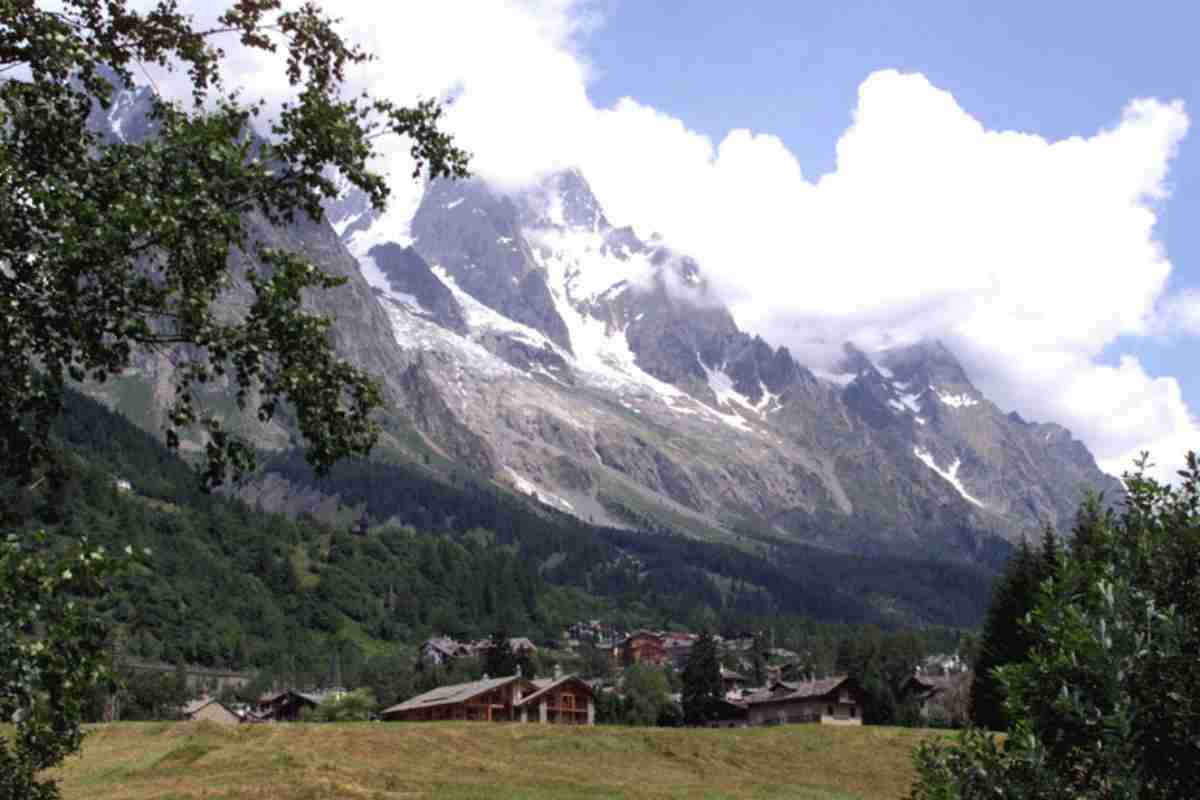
[{"x": 1018, "y": 179}]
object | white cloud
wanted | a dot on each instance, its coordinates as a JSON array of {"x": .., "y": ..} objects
[{"x": 1027, "y": 256}]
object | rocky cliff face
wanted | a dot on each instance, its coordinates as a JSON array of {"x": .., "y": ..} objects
[
  {"x": 610, "y": 382},
  {"x": 524, "y": 337}
]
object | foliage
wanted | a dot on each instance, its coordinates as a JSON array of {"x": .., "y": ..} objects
[
  {"x": 669, "y": 573},
  {"x": 1005, "y": 638},
  {"x": 881, "y": 662},
  {"x": 355, "y": 706},
  {"x": 112, "y": 248},
  {"x": 644, "y": 698},
  {"x": 230, "y": 587},
  {"x": 151, "y": 694},
  {"x": 52, "y": 646},
  {"x": 499, "y": 658},
  {"x": 702, "y": 689},
  {"x": 1107, "y": 704}
]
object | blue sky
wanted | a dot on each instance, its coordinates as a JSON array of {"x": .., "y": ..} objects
[{"x": 793, "y": 69}]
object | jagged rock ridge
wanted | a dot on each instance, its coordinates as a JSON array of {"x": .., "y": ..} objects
[
  {"x": 526, "y": 338},
  {"x": 589, "y": 352}
]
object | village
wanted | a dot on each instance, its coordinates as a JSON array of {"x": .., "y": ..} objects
[{"x": 771, "y": 689}]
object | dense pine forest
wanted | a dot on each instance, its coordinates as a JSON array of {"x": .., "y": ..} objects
[{"x": 222, "y": 584}]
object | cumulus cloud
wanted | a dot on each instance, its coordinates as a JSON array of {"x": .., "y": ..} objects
[{"x": 1027, "y": 256}]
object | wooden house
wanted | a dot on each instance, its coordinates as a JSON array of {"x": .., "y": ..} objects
[
  {"x": 565, "y": 700},
  {"x": 211, "y": 710},
  {"x": 642, "y": 647},
  {"x": 830, "y": 701},
  {"x": 286, "y": 705},
  {"x": 442, "y": 650},
  {"x": 562, "y": 701}
]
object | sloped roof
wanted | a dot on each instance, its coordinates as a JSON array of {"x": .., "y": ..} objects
[
  {"x": 204, "y": 702},
  {"x": 443, "y": 644},
  {"x": 447, "y": 695},
  {"x": 195, "y": 705},
  {"x": 549, "y": 684},
  {"x": 785, "y": 690}
]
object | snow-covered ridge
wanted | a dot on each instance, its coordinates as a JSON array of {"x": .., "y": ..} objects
[
  {"x": 483, "y": 318},
  {"x": 950, "y": 475},
  {"x": 958, "y": 400}
]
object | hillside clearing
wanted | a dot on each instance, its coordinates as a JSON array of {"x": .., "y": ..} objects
[{"x": 465, "y": 760}]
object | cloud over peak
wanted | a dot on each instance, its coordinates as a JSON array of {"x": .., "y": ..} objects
[{"x": 1028, "y": 257}]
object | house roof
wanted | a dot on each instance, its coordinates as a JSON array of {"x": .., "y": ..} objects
[
  {"x": 197, "y": 705},
  {"x": 443, "y": 644},
  {"x": 785, "y": 690},
  {"x": 311, "y": 697},
  {"x": 549, "y": 684},
  {"x": 446, "y": 695},
  {"x": 643, "y": 634}
]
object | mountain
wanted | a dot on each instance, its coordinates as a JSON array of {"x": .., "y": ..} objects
[
  {"x": 608, "y": 380},
  {"x": 522, "y": 338}
]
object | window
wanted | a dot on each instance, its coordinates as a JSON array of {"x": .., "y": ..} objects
[
  {"x": 830, "y": 710},
  {"x": 853, "y": 712},
  {"x": 567, "y": 701}
]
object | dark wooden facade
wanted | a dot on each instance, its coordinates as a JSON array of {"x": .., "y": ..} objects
[
  {"x": 830, "y": 701},
  {"x": 643, "y": 647},
  {"x": 560, "y": 701}
]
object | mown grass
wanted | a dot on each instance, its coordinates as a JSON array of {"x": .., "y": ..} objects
[{"x": 465, "y": 760}]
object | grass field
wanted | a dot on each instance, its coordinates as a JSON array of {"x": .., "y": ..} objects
[{"x": 473, "y": 760}]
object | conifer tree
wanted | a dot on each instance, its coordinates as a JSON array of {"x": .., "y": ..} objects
[
  {"x": 1005, "y": 638},
  {"x": 702, "y": 681}
]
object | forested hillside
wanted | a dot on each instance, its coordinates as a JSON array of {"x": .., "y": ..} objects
[{"x": 226, "y": 585}]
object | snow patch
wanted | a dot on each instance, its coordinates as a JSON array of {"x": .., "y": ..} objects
[
  {"x": 453, "y": 204},
  {"x": 950, "y": 475},
  {"x": 530, "y": 488},
  {"x": 837, "y": 378},
  {"x": 882, "y": 370},
  {"x": 958, "y": 400},
  {"x": 483, "y": 318}
]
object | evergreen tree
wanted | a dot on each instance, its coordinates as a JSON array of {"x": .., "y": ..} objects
[
  {"x": 499, "y": 659},
  {"x": 702, "y": 681},
  {"x": 1005, "y": 638},
  {"x": 758, "y": 659}
]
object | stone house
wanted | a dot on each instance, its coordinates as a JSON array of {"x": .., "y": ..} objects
[{"x": 210, "y": 709}]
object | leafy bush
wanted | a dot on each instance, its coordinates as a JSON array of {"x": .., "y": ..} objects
[{"x": 1107, "y": 705}]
